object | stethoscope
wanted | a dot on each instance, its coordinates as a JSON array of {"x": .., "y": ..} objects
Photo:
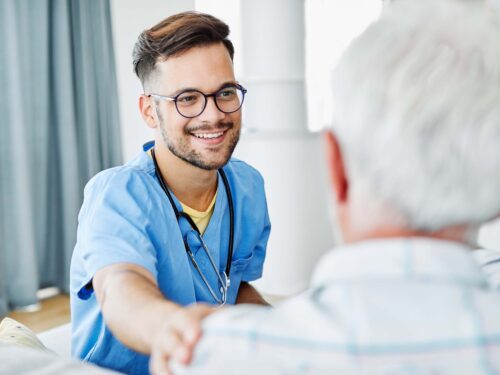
[{"x": 223, "y": 279}]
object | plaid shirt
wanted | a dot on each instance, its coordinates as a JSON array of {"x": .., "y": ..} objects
[{"x": 396, "y": 306}]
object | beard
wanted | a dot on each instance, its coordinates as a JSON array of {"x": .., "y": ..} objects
[{"x": 181, "y": 146}]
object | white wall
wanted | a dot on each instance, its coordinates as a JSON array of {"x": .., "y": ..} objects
[{"x": 130, "y": 18}]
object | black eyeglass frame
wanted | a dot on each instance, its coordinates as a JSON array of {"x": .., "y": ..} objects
[{"x": 206, "y": 96}]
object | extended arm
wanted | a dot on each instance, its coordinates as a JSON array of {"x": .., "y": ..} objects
[{"x": 141, "y": 318}]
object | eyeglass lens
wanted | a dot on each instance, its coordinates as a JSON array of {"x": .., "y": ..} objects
[{"x": 192, "y": 103}]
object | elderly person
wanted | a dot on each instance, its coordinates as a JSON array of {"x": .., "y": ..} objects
[{"x": 414, "y": 159}]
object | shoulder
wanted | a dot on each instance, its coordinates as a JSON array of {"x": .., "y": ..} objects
[
  {"x": 138, "y": 174},
  {"x": 120, "y": 189},
  {"x": 123, "y": 178},
  {"x": 243, "y": 173}
]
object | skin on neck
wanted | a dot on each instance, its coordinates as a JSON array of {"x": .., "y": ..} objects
[
  {"x": 348, "y": 223},
  {"x": 461, "y": 233},
  {"x": 193, "y": 186}
]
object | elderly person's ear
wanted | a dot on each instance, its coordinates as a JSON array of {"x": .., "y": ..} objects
[{"x": 336, "y": 167}]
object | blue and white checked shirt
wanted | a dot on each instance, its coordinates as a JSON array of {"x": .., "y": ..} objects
[{"x": 397, "y": 306}]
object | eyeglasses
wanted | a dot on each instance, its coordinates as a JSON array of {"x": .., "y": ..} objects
[
  {"x": 194, "y": 236},
  {"x": 192, "y": 103}
]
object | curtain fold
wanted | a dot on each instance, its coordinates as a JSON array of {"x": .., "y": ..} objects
[{"x": 59, "y": 126}]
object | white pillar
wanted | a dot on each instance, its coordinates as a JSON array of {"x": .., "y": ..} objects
[{"x": 272, "y": 34}]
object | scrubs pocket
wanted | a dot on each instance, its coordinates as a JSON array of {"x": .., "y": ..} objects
[
  {"x": 240, "y": 264},
  {"x": 237, "y": 268}
]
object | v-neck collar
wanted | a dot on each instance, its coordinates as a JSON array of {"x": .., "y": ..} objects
[
  {"x": 220, "y": 201},
  {"x": 213, "y": 231}
]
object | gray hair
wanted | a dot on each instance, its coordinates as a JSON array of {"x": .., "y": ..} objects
[{"x": 417, "y": 111}]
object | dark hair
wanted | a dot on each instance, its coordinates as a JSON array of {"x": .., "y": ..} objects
[{"x": 175, "y": 35}]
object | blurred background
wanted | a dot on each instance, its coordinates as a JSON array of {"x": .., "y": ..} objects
[{"x": 68, "y": 109}]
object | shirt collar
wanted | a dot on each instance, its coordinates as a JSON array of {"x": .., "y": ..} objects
[{"x": 400, "y": 259}]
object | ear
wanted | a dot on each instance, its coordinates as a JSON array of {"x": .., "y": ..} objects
[
  {"x": 336, "y": 167},
  {"x": 147, "y": 111}
]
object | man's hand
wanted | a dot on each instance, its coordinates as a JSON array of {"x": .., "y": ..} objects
[
  {"x": 176, "y": 339},
  {"x": 140, "y": 317}
]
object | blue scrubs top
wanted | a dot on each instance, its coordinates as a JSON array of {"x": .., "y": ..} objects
[{"x": 126, "y": 218}]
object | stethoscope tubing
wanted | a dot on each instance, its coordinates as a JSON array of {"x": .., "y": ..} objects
[{"x": 187, "y": 217}]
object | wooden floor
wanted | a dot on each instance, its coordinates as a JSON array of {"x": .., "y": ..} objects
[{"x": 54, "y": 312}]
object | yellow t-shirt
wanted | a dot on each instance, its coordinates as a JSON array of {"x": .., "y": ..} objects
[{"x": 201, "y": 219}]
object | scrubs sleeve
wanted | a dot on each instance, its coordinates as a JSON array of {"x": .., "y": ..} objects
[
  {"x": 114, "y": 225},
  {"x": 255, "y": 267}
]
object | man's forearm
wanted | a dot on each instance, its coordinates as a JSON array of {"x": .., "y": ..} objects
[
  {"x": 248, "y": 294},
  {"x": 134, "y": 308}
]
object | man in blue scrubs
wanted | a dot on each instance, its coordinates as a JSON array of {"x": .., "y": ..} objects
[{"x": 138, "y": 267}]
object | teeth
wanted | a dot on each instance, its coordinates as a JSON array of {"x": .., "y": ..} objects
[{"x": 208, "y": 135}]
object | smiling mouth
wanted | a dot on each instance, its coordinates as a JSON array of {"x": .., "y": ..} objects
[
  {"x": 210, "y": 138},
  {"x": 209, "y": 135}
]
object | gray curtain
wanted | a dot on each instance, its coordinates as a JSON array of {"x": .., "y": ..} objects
[{"x": 59, "y": 126}]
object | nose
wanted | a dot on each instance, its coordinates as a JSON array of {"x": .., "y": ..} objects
[{"x": 211, "y": 114}]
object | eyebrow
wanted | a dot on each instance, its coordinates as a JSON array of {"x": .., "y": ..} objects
[{"x": 225, "y": 84}]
